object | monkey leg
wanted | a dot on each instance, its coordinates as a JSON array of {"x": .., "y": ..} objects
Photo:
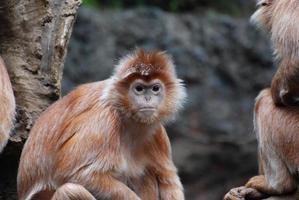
[
  {"x": 242, "y": 193},
  {"x": 70, "y": 191},
  {"x": 105, "y": 185},
  {"x": 260, "y": 183},
  {"x": 274, "y": 186},
  {"x": 146, "y": 187}
]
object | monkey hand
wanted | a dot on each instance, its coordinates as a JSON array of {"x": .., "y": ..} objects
[
  {"x": 285, "y": 87},
  {"x": 244, "y": 193}
]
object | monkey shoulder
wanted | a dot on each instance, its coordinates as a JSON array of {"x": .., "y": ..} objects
[
  {"x": 160, "y": 143},
  {"x": 78, "y": 114}
]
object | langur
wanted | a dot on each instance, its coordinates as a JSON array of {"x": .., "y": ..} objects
[
  {"x": 281, "y": 18},
  {"x": 276, "y": 121},
  {"x": 7, "y": 106},
  {"x": 277, "y": 131},
  {"x": 106, "y": 140}
]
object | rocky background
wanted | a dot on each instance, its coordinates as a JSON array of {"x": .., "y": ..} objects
[{"x": 223, "y": 60}]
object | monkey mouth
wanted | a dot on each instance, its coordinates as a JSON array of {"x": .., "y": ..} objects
[
  {"x": 146, "y": 114},
  {"x": 147, "y": 109}
]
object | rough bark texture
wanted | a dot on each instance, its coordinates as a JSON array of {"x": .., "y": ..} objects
[
  {"x": 33, "y": 39},
  {"x": 34, "y": 35}
]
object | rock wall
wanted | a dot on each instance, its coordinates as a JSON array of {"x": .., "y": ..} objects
[{"x": 224, "y": 61}]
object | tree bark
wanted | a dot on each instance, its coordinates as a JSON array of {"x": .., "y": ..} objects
[{"x": 34, "y": 36}]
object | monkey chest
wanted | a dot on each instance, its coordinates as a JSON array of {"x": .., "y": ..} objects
[{"x": 132, "y": 165}]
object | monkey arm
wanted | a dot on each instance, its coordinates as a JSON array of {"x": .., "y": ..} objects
[
  {"x": 70, "y": 191},
  {"x": 285, "y": 83},
  {"x": 285, "y": 37},
  {"x": 146, "y": 187},
  {"x": 170, "y": 186}
]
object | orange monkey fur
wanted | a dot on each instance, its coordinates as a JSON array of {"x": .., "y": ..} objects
[
  {"x": 86, "y": 145},
  {"x": 281, "y": 18},
  {"x": 7, "y": 106}
]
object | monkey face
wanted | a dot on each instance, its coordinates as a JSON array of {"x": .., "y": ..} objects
[
  {"x": 263, "y": 16},
  {"x": 145, "y": 98},
  {"x": 145, "y": 88}
]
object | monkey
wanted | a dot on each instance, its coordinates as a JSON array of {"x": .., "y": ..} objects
[
  {"x": 277, "y": 129},
  {"x": 7, "y": 106},
  {"x": 280, "y": 18},
  {"x": 275, "y": 126},
  {"x": 106, "y": 140}
]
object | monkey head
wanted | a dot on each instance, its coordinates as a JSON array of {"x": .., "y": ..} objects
[
  {"x": 145, "y": 87},
  {"x": 280, "y": 18},
  {"x": 263, "y": 16}
]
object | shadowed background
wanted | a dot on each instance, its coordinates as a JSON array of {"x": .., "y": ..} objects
[{"x": 223, "y": 60}]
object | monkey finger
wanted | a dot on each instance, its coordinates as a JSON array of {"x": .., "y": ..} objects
[
  {"x": 235, "y": 194},
  {"x": 232, "y": 197}
]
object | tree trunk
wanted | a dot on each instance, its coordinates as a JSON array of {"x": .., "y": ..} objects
[{"x": 34, "y": 36}]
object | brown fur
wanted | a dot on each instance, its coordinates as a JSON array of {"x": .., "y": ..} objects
[
  {"x": 277, "y": 131},
  {"x": 277, "y": 126},
  {"x": 281, "y": 18},
  {"x": 86, "y": 139},
  {"x": 7, "y": 105},
  {"x": 71, "y": 191}
]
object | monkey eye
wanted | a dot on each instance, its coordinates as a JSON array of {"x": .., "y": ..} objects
[
  {"x": 156, "y": 88},
  {"x": 263, "y": 3},
  {"x": 139, "y": 88}
]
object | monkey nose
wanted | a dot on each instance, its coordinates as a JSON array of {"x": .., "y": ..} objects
[{"x": 147, "y": 98}]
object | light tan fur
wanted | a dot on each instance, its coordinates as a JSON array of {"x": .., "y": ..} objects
[
  {"x": 280, "y": 18},
  {"x": 89, "y": 138},
  {"x": 7, "y": 106}
]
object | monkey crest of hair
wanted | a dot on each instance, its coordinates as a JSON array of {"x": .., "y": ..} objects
[
  {"x": 106, "y": 140},
  {"x": 7, "y": 106},
  {"x": 280, "y": 18}
]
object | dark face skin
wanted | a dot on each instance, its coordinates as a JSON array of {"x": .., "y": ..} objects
[{"x": 146, "y": 98}]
